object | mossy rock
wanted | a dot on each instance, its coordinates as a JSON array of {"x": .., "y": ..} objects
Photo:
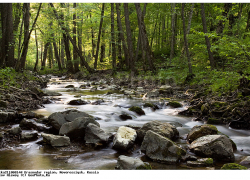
[
  {"x": 146, "y": 166},
  {"x": 70, "y": 86},
  {"x": 3, "y": 104},
  {"x": 137, "y": 110},
  {"x": 208, "y": 161},
  {"x": 233, "y": 166},
  {"x": 205, "y": 108},
  {"x": 214, "y": 121},
  {"x": 174, "y": 104},
  {"x": 151, "y": 105},
  {"x": 218, "y": 104}
]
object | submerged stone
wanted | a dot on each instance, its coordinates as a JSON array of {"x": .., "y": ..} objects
[{"x": 137, "y": 110}]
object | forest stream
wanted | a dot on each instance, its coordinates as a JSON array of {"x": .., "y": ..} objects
[{"x": 31, "y": 155}]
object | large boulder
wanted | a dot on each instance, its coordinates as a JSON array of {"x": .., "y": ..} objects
[
  {"x": 163, "y": 128},
  {"x": 215, "y": 146},
  {"x": 130, "y": 163},
  {"x": 160, "y": 148},
  {"x": 57, "y": 119},
  {"x": 95, "y": 135},
  {"x": 76, "y": 128},
  {"x": 202, "y": 130},
  {"x": 56, "y": 141},
  {"x": 124, "y": 138}
]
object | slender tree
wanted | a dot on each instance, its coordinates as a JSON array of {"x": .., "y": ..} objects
[
  {"x": 113, "y": 37},
  {"x": 129, "y": 39},
  {"x": 75, "y": 55},
  {"x": 145, "y": 43},
  {"x": 120, "y": 29},
  {"x": 210, "y": 54},
  {"x": 173, "y": 27},
  {"x": 185, "y": 38},
  {"x": 99, "y": 36}
]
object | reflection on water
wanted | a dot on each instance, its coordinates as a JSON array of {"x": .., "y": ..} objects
[{"x": 33, "y": 156}]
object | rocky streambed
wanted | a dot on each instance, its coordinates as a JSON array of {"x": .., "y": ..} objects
[{"x": 100, "y": 125}]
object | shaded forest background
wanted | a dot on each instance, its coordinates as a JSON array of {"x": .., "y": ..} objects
[{"x": 193, "y": 42}]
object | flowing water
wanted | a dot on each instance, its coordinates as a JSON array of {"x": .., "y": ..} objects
[{"x": 30, "y": 155}]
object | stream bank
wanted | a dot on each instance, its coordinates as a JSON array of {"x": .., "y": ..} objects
[{"x": 105, "y": 102}]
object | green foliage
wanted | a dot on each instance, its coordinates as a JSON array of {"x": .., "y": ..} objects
[{"x": 9, "y": 77}]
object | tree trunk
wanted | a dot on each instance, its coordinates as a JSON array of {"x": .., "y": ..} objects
[
  {"x": 185, "y": 39},
  {"x": 35, "y": 67},
  {"x": 62, "y": 53},
  {"x": 46, "y": 46},
  {"x": 75, "y": 55},
  {"x": 122, "y": 34},
  {"x": 220, "y": 26},
  {"x": 99, "y": 37},
  {"x": 7, "y": 51},
  {"x": 139, "y": 43},
  {"x": 188, "y": 28},
  {"x": 129, "y": 39},
  {"x": 210, "y": 54},
  {"x": 113, "y": 37},
  {"x": 145, "y": 43},
  {"x": 27, "y": 33},
  {"x": 102, "y": 46},
  {"x": 173, "y": 26},
  {"x": 57, "y": 55},
  {"x": 92, "y": 39},
  {"x": 71, "y": 40},
  {"x": 79, "y": 31}
]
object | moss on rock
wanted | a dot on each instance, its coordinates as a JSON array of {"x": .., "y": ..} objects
[
  {"x": 174, "y": 104},
  {"x": 137, "y": 110},
  {"x": 233, "y": 166},
  {"x": 214, "y": 121}
]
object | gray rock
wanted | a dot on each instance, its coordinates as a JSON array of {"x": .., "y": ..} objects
[
  {"x": 29, "y": 135},
  {"x": 7, "y": 116},
  {"x": 56, "y": 141},
  {"x": 127, "y": 92},
  {"x": 124, "y": 138},
  {"x": 76, "y": 128},
  {"x": 162, "y": 128},
  {"x": 30, "y": 124},
  {"x": 57, "y": 119},
  {"x": 95, "y": 135},
  {"x": 129, "y": 163},
  {"x": 15, "y": 130},
  {"x": 245, "y": 161},
  {"x": 215, "y": 146},
  {"x": 202, "y": 130},
  {"x": 160, "y": 148},
  {"x": 153, "y": 93}
]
